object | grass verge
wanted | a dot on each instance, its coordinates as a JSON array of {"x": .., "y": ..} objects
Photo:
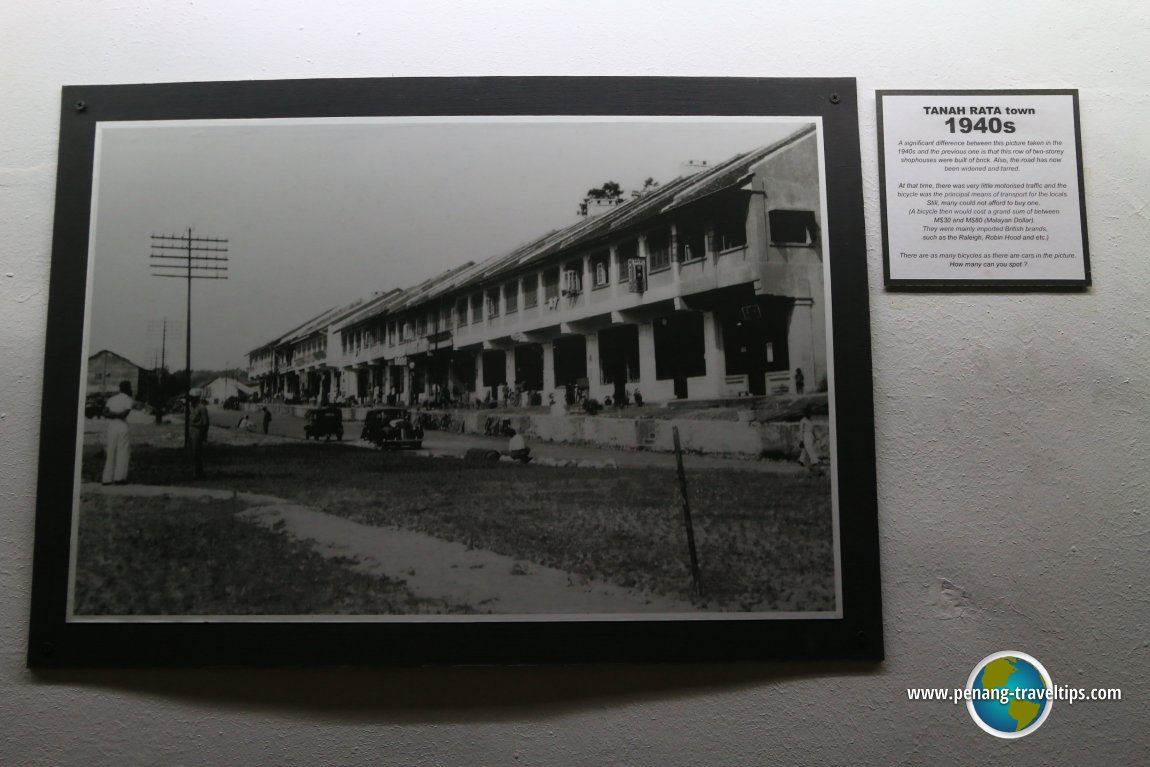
[
  {"x": 764, "y": 541},
  {"x": 180, "y": 556}
]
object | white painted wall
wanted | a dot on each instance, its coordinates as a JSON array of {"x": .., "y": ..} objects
[{"x": 1012, "y": 429}]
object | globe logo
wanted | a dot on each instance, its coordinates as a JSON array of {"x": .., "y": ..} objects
[{"x": 1009, "y": 694}]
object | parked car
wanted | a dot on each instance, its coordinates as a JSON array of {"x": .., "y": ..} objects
[
  {"x": 94, "y": 406},
  {"x": 391, "y": 428},
  {"x": 323, "y": 422}
]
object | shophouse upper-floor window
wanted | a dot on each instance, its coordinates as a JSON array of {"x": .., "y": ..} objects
[
  {"x": 601, "y": 269},
  {"x": 572, "y": 278},
  {"x": 793, "y": 227},
  {"x": 551, "y": 284},
  {"x": 690, "y": 240},
  {"x": 625, "y": 252},
  {"x": 659, "y": 249},
  {"x": 730, "y": 227}
]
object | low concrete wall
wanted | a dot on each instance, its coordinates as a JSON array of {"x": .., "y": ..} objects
[{"x": 742, "y": 437}]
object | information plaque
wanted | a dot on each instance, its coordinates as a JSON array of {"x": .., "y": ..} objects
[{"x": 982, "y": 189}]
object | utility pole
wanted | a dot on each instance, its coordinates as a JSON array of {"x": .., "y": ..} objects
[
  {"x": 198, "y": 258},
  {"x": 160, "y": 328}
]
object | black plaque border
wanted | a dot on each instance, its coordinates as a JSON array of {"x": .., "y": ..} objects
[{"x": 983, "y": 285}]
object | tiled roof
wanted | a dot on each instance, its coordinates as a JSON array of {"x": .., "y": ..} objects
[
  {"x": 318, "y": 322},
  {"x": 397, "y": 299},
  {"x": 668, "y": 197},
  {"x": 674, "y": 194},
  {"x": 111, "y": 353}
]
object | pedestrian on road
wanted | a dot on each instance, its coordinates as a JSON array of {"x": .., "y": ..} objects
[
  {"x": 201, "y": 421},
  {"x": 267, "y": 419},
  {"x": 117, "y": 446}
]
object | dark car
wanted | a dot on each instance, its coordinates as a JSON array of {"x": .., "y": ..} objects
[
  {"x": 94, "y": 406},
  {"x": 323, "y": 422},
  {"x": 391, "y": 427}
]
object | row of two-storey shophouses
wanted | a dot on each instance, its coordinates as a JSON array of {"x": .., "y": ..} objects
[{"x": 709, "y": 286}]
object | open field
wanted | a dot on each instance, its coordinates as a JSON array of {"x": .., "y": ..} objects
[
  {"x": 764, "y": 540},
  {"x": 180, "y": 556}
]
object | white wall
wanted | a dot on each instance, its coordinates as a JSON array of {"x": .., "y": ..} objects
[{"x": 1011, "y": 427}]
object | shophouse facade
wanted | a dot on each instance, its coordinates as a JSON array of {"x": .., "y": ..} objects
[{"x": 710, "y": 286}]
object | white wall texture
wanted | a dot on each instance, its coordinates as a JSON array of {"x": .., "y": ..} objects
[{"x": 1011, "y": 428}]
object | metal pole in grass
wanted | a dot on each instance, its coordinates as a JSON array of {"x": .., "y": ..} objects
[{"x": 698, "y": 582}]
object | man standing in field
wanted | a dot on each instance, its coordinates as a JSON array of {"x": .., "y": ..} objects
[
  {"x": 200, "y": 423},
  {"x": 267, "y": 418},
  {"x": 117, "y": 447}
]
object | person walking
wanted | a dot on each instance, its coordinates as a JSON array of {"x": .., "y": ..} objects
[
  {"x": 117, "y": 446},
  {"x": 267, "y": 419},
  {"x": 201, "y": 421}
]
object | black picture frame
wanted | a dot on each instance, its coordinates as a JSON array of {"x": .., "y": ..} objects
[
  {"x": 54, "y": 641},
  {"x": 998, "y": 284}
]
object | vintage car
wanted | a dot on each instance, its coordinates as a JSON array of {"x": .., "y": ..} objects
[
  {"x": 391, "y": 427},
  {"x": 323, "y": 422},
  {"x": 94, "y": 406}
]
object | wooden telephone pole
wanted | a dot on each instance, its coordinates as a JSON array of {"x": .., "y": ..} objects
[
  {"x": 185, "y": 257},
  {"x": 160, "y": 328}
]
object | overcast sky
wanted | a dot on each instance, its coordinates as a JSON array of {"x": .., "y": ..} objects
[{"x": 319, "y": 214}]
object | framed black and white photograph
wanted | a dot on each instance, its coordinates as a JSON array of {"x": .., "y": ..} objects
[{"x": 501, "y": 370}]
